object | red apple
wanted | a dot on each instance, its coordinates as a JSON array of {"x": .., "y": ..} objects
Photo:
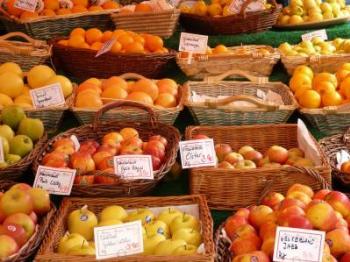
[
  {"x": 156, "y": 162},
  {"x": 277, "y": 154},
  {"x": 288, "y": 212},
  {"x": 113, "y": 150},
  {"x": 106, "y": 163},
  {"x": 245, "y": 149},
  {"x": 89, "y": 146},
  {"x": 233, "y": 158},
  {"x": 68, "y": 150},
  {"x": 345, "y": 167},
  {"x": 155, "y": 148},
  {"x": 225, "y": 164},
  {"x": 136, "y": 141},
  {"x": 34, "y": 217},
  {"x": 23, "y": 220},
  {"x": 303, "y": 197},
  {"x": 291, "y": 202},
  {"x": 16, "y": 201},
  {"x": 100, "y": 155},
  {"x": 297, "y": 221},
  {"x": 84, "y": 180},
  {"x": 41, "y": 200},
  {"x": 244, "y": 230},
  {"x": 321, "y": 215},
  {"x": 272, "y": 199},
  {"x": 21, "y": 186},
  {"x": 8, "y": 246},
  {"x": 339, "y": 201},
  {"x": 63, "y": 141},
  {"x": 112, "y": 138},
  {"x": 131, "y": 150},
  {"x": 83, "y": 162},
  {"x": 245, "y": 164},
  {"x": 222, "y": 150},
  {"x": 243, "y": 245},
  {"x": 258, "y": 215},
  {"x": 253, "y": 155},
  {"x": 301, "y": 188},
  {"x": 244, "y": 212},
  {"x": 200, "y": 136},
  {"x": 55, "y": 159},
  {"x": 232, "y": 223},
  {"x": 263, "y": 162},
  {"x": 345, "y": 257},
  {"x": 159, "y": 138},
  {"x": 15, "y": 231},
  {"x": 267, "y": 230},
  {"x": 321, "y": 194}
]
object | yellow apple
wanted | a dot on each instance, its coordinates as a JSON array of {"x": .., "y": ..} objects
[
  {"x": 168, "y": 214},
  {"x": 150, "y": 243},
  {"x": 184, "y": 221},
  {"x": 167, "y": 247},
  {"x": 82, "y": 221},
  {"x": 185, "y": 250},
  {"x": 143, "y": 214},
  {"x": 113, "y": 212},
  {"x": 110, "y": 222},
  {"x": 69, "y": 241},
  {"x": 157, "y": 227},
  {"x": 191, "y": 236}
]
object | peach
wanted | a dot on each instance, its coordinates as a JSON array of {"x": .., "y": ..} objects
[
  {"x": 339, "y": 201},
  {"x": 267, "y": 230},
  {"x": 321, "y": 215},
  {"x": 301, "y": 188},
  {"x": 232, "y": 223},
  {"x": 268, "y": 246},
  {"x": 321, "y": 194},
  {"x": 338, "y": 241},
  {"x": 248, "y": 243},
  {"x": 272, "y": 199},
  {"x": 306, "y": 199},
  {"x": 258, "y": 215}
]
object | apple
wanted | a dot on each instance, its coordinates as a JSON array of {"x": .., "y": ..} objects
[
  {"x": 271, "y": 165},
  {"x": 345, "y": 257},
  {"x": 56, "y": 159},
  {"x": 297, "y": 221},
  {"x": 110, "y": 222},
  {"x": 185, "y": 250},
  {"x": 268, "y": 246},
  {"x": 245, "y": 244},
  {"x": 190, "y": 235},
  {"x": 291, "y": 202},
  {"x": 222, "y": 150},
  {"x": 295, "y": 152},
  {"x": 157, "y": 227},
  {"x": 301, "y": 188},
  {"x": 244, "y": 212},
  {"x": 199, "y": 136},
  {"x": 68, "y": 150},
  {"x": 304, "y": 162},
  {"x": 256, "y": 256},
  {"x": 253, "y": 155},
  {"x": 167, "y": 247},
  {"x": 321, "y": 194},
  {"x": 226, "y": 165},
  {"x": 69, "y": 241},
  {"x": 63, "y": 141},
  {"x": 156, "y": 162},
  {"x": 321, "y": 215},
  {"x": 21, "y": 186},
  {"x": 100, "y": 155},
  {"x": 82, "y": 221},
  {"x": 272, "y": 199},
  {"x": 106, "y": 163},
  {"x": 83, "y": 162},
  {"x": 8, "y": 246},
  {"x": 155, "y": 148},
  {"x": 131, "y": 150},
  {"x": 263, "y": 161},
  {"x": 41, "y": 200},
  {"x": 244, "y": 230},
  {"x": 34, "y": 217},
  {"x": 233, "y": 223},
  {"x": 277, "y": 154},
  {"x": 144, "y": 214},
  {"x": 106, "y": 180},
  {"x": 245, "y": 164},
  {"x": 184, "y": 221},
  {"x": 338, "y": 241},
  {"x": 16, "y": 201},
  {"x": 258, "y": 215},
  {"x": 267, "y": 230},
  {"x": 112, "y": 138},
  {"x": 23, "y": 220},
  {"x": 89, "y": 146},
  {"x": 160, "y": 138},
  {"x": 84, "y": 179},
  {"x": 136, "y": 141},
  {"x": 339, "y": 201},
  {"x": 112, "y": 150},
  {"x": 113, "y": 212},
  {"x": 168, "y": 215},
  {"x": 345, "y": 167},
  {"x": 245, "y": 149},
  {"x": 150, "y": 243},
  {"x": 83, "y": 250},
  {"x": 15, "y": 231},
  {"x": 303, "y": 197},
  {"x": 288, "y": 212}
]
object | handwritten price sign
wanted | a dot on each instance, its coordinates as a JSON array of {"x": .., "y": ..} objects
[
  {"x": 193, "y": 43},
  {"x": 47, "y": 96},
  {"x": 133, "y": 166},
  {"x": 57, "y": 181},
  {"x": 319, "y": 33},
  {"x": 27, "y": 5},
  {"x": 197, "y": 153},
  {"x": 118, "y": 240},
  {"x": 294, "y": 244},
  {"x": 107, "y": 46}
]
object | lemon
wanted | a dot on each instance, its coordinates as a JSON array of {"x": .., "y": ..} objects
[
  {"x": 11, "y": 67},
  {"x": 66, "y": 84},
  {"x": 11, "y": 84},
  {"x": 39, "y": 75},
  {"x": 23, "y": 101}
]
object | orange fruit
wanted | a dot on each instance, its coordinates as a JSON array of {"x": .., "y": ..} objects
[
  {"x": 322, "y": 77},
  {"x": 331, "y": 99},
  {"x": 345, "y": 87},
  {"x": 11, "y": 9},
  {"x": 88, "y": 86},
  {"x": 325, "y": 87},
  {"x": 310, "y": 99},
  {"x": 168, "y": 90},
  {"x": 95, "y": 8},
  {"x": 153, "y": 43},
  {"x": 107, "y": 35},
  {"x": 165, "y": 100},
  {"x": 84, "y": 3},
  {"x": 114, "y": 92},
  {"x": 341, "y": 74},
  {"x": 29, "y": 15},
  {"x": 134, "y": 47},
  {"x": 88, "y": 100},
  {"x": 63, "y": 11},
  {"x": 139, "y": 39},
  {"x": 301, "y": 90},
  {"x": 118, "y": 32},
  {"x": 78, "y": 9},
  {"x": 220, "y": 49},
  {"x": 51, "y": 4},
  {"x": 93, "y": 35},
  {"x": 140, "y": 97},
  {"x": 125, "y": 40},
  {"x": 147, "y": 86},
  {"x": 110, "y": 5},
  {"x": 303, "y": 69},
  {"x": 48, "y": 12},
  {"x": 96, "y": 46},
  {"x": 85, "y": 45},
  {"x": 116, "y": 48},
  {"x": 93, "y": 80},
  {"x": 114, "y": 81},
  {"x": 299, "y": 80},
  {"x": 76, "y": 41},
  {"x": 345, "y": 66},
  {"x": 63, "y": 42},
  {"x": 167, "y": 85},
  {"x": 143, "y": 7},
  {"x": 78, "y": 31}
]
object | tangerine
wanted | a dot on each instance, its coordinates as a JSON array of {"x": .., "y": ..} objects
[
  {"x": 116, "y": 48},
  {"x": 77, "y": 31},
  {"x": 304, "y": 69},
  {"x": 310, "y": 99},
  {"x": 345, "y": 87},
  {"x": 167, "y": 82},
  {"x": 220, "y": 49},
  {"x": 341, "y": 74},
  {"x": 26, "y": 15},
  {"x": 51, "y": 4},
  {"x": 301, "y": 90},
  {"x": 88, "y": 100},
  {"x": 143, "y": 7},
  {"x": 331, "y": 99},
  {"x": 114, "y": 92},
  {"x": 165, "y": 100},
  {"x": 95, "y": 8},
  {"x": 88, "y": 86},
  {"x": 125, "y": 40},
  {"x": 107, "y": 35},
  {"x": 84, "y": 3},
  {"x": 93, "y": 35},
  {"x": 153, "y": 42},
  {"x": 140, "y": 97},
  {"x": 134, "y": 47},
  {"x": 48, "y": 12},
  {"x": 325, "y": 87},
  {"x": 299, "y": 80},
  {"x": 322, "y": 77},
  {"x": 146, "y": 86},
  {"x": 93, "y": 80},
  {"x": 110, "y": 5},
  {"x": 11, "y": 9},
  {"x": 96, "y": 46},
  {"x": 76, "y": 41},
  {"x": 63, "y": 11},
  {"x": 114, "y": 81},
  {"x": 78, "y": 9},
  {"x": 63, "y": 42}
]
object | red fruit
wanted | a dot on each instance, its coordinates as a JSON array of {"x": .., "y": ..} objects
[
  {"x": 155, "y": 148},
  {"x": 248, "y": 243},
  {"x": 232, "y": 223},
  {"x": 284, "y": 214},
  {"x": 345, "y": 257},
  {"x": 106, "y": 163},
  {"x": 21, "y": 186},
  {"x": 222, "y": 150},
  {"x": 291, "y": 202},
  {"x": 56, "y": 159},
  {"x": 297, "y": 221},
  {"x": 17, "y": 232},
  {"x": 34, "y": 217},
  {"x": 277, "y": 154},
  {"x": 83, "y": 162},
  {"x": 339, "y": 201},
  {"x": 134, "y": 141},
  {"x": 159, "y": 138},
  {"x": 272, "y": 199},
  {"x": 107, "y": 180},
  {"x": 112, "y": 150},
  {"x": 156, "y": 162},
  {"x": 84, "y": 179},
  {"x": 254, "y": 156},
  {"x": 89, "y": 146},
  {"x": 321, "y": 194},
  {"x": 65, "y": 141},
  {"x": 244, "y": 212}
]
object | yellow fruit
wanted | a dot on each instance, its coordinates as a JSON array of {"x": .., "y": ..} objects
[
  {"x": 331, "y": 99},
  {"x": 226, "y": 11},
  {"x": 24, "y": 101},
  {"x": 322, "y": 77},
  {"x": 345, "y": 87},
  {"x": 295, "y": 20},
  {"x": 325, "y": 87},
  {"x": 11, "y": 84},
  {"x": 342, "y": 74},
  {"x": 304, "y": 70},
  {"x": 25, "y": 90},
  {"x": 301, "y": 90},
  {"x": 214, "y": 10},
  {"x": 66, "y": 84},
  {"x": 11, "y": 67},
  {"x": 5, "y": 100},
  {"x": 200, "y": 8},
  {"x": 39, "y": 75},
  {"x": 310, "y": 99},
  {"x": 220, "y": 49},
  {"x": 345, "y": 66},
  {"x": 299, "y": 80}
]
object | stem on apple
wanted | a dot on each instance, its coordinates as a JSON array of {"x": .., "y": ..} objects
[{"x": 84, "y": 209}]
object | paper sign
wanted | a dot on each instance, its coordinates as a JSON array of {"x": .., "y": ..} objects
[
  {"x": 57, "y": 181},
  {"x": 260, "y": 94},
  {"x": 197, "y": 153},
  {"x": 307, "y": 144},
  {"x": 319, "y": 33},
  {"x": 236, "y": 6},
  {"x": 294, "y": 244},
  {"x": 193, "y": 43},
  {"x": 106, "y": 47},
  {"x": 274, "y": 97},
  {"x": 27, "y": 5},
  {"x": 118, "y": 240},
  {"x": 133, "y": 166},
  {"x": 2, "y": 157},
  {"x": 342, "y": 157},
  {"x": 47, "y": 96},
  {"x": 159, "y": 5},
  {"x": 75, "y": 142}
]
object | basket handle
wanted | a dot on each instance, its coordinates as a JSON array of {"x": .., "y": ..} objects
[
  {"x": 34, "y": 42},
  {"x": 124, "y": 103},
  {"x": 236, "y": 72},
  {"x": 131, "y": 76},
  {"x": 251, "y": 99}
]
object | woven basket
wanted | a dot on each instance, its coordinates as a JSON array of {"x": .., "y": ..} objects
[
  {"x": 318, "y": 63},
  {"x": 16, "y": 171},
  {"x": 83, "y": 64},
  {"x": 244, "y": 22},
  {"x": 227, "y": 189},
  {"x": 58, "y": 227},
  {"x": 98, "y": 129},
  {"x": 61, "y": 25},
  {"x": 219, "y": 111},
  {"x": 165, "y": 115},
  {"x": 253, "y": 63},
  {"x": 162, "y": 23},
  {"x": 26, "y": 54},
  {"x": 30, "y": 248}
]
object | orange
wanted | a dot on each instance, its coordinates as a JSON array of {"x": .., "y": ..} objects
[
  {"x": 153, "y": 42},
  {"x": 345, "y": 66},
  {"x": 114, "y": 81},
  {"x": 63, "y": 11},
  {"x": 93, "y": 35},
  {"x": 114, "y": 92},
  {"x": 138, "y": 38},
  {"x": 331, "y": 99},
  {"x": 128, "y": 132},
  {"x": 51, "y": 4},
  {"x": 299, "y": 80},
  {"x": 321, "y": 77},
  {"x": 165, "y": 100},
  {"x": 220, "y": 49},
  {"x": 143, "y": 7},
  {"x": 116, "y": 48},
  {"x": 76, "y": 41},
  {"x": 140, "y": 97},
  {"x": 107, "y": 35},
  {"x": 110, "y": 5},
  {"x": 85, "y": 45},
  {"x": 29, "y": 15},
  {"x": 125, "y": 40},
  {"x": 84, "y": 3},
  {"x": 167, "y": 84},
  {"x": 304, "y": 70},
  {"x": 78, "y": 31},
  {"x": 168, "y": 90},
  {"x": 95, "y": 8},
  {"x": 48, "y": 12},
  {"x": 134, "y": 47},
  {"x": 96, "y": 46},
  {"x": 301, "y": 90},
  {"x": 11, "y": 9},
  {"x": 310, "y": 99},
  {"x": 118, "y": 32},
  {"x": 325, "y": 87},
  {"x": 345, "y": 87},
  {"x": 93, "y": 80},
  {"x": 88, "y": 100},
  {"x": 79, "y": 9},
  {"x": 63, "y": 42},
  {"x": 147, "y": 86},
  {"x": 342, "y": 74},
  {"x": 88, "y": 86}
]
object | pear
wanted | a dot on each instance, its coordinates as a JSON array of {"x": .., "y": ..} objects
[{"x": 82, "y": 221}]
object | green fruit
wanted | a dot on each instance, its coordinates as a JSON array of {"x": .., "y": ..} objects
[
  {"x": 3, "y": 165},
  {"x": 5, "y": 145},
  {"x": 21, "y": 145},
  {"x": 7, "y": 132},
  {"x": 31, "y": 127},
  {"x": 12, "y": 159},
  {"x": 12, "y": 116}
]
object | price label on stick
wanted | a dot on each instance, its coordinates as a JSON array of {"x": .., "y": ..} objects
[
  {"x": 193, "y": 43},
  {"x": 197, "y": 153},
  {"x": 118, "y": 240},
  {"x": 106, "y": 47},
  {"x": 57, "y": 181},
  {"x": 319, "y": 33},
  {"x": 133, "y": 166},
  {"x": 75, "y": 142},
  {"x": 47, "y": 96},
  {"x": 294, "y": 244},
  {"x": 27, "y": 5}
]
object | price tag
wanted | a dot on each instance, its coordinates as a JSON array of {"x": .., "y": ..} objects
[
  {"x": 75, "y": 142},
  {"x": 133, "y": 166},
  {"x": 319, "y": 33},
  {"x": 236, "y": 6},
  {"x": 118, "y": 240},
  {"x": 47, "y": 96},
  {"x": 27, "y": 5},
  {"x": 57, "y": 181},
  {"x": 193, "y": 43},
  {"x": 307, "y": 144},
  {"x": 197, "y": 153},
  {"x": 261, "y": 94},
  {"x": 294, "y": 244},
  {"x": 106, "y": 47},
  {"x": 2, "y": 157},
  {"x": 342, "y": 156},
  {"x": 159, "y": 5}
]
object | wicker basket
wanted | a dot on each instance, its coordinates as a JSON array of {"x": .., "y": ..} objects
[
  {"x": 83, "y": 64},
  {"x": 219, "y": 111},
  {"x": 162, "y": 23},
  {"x": 98, "y": 129},
  {"x": 16, "y": 171},
  {"x": 30, "y": 248},
  {"x": 254, "y": 63},
  {"x": 244, "y": 22},
  {"x": 26, "y": 54},
  {"x": 318, "y": 63},
  {"x": 58, "y": 227},
  {"x": 227, "y": 189},
  {"x": 61, "y": 25},
  {"x": 165, "y": 115}
]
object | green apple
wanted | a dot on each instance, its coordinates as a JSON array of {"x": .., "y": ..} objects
[
  {"x": 184, "y": 221},
  {"x": 143, "y": 214},
  {"x": 110, "y": 222},
  {"x": 69, "y": 241},
  {"x": 185, "y": 250},
  {"x": 12, "y": 116},
  {"x": 157, "y": 227},
  {"x": 168, "y": 214},
  {"x": 190, "y": 235},
  {"x": 34, "y": 128},
  {"x": 12, "y": 159},
  {"x": 84, "y": 250},
  {"x": 113, "y": 212},
  {"x": 150, "y": 243},
  {"x": 7, "y": 132},
  {"x": 21, "y": 145},
  {"x": 82, "y": 221},
  {"x": 167, "y": 247}
]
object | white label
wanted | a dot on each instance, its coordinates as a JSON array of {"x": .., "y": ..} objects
[
  {"x": 47, "y": 96},
  {"x": 75, "y": 142},
  {"x": 2, "y": 158},
  {"x": 57, "y": 181},
  {"x": 118, "y": 240},
  {"x": 260, "y": 94},
  {"x": 236, "y": 6},
  {"x": 274, "y": 97},
  {"x": 319, "y": 33},
  {"x": 342, "y": 157},
  {"x": 294, "y": 244},
  {"x": 193, "y": 43},
  {"x": 27, "y": 5},
  {"x": 133, "y": 166},
  {"x": 106, "y": 47},
  {"x": 307, "y": 144},
  {"x": 197, "y": 153},
  {"x": 159, "y": 5}
]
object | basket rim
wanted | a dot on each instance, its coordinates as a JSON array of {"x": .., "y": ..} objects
[{"x": 142, "y": 14}]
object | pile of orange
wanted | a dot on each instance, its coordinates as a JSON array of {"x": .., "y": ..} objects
[
  {"x": 51, "y": 8},
  {"x": 126, "y": 41},
  {"x": 322, "y": 89},
  {"x": 93, "y": 93}
]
